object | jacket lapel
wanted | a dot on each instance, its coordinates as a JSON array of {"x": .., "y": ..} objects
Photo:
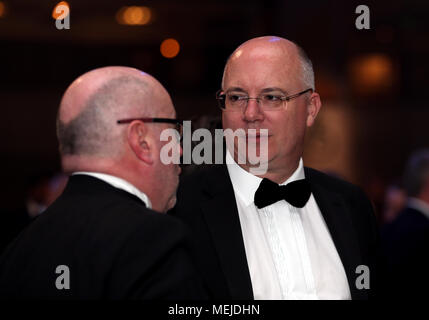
[
  {"x": 221, "y": 214},
  {"x": 337, "y": 217}
]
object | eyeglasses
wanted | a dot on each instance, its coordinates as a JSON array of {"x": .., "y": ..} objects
[
  {"x": 237, "y": 101},
  {"x": 177, "y": 122}
]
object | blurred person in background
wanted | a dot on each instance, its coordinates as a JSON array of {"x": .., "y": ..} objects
[
  {"x": 44, "y": 192},
  {"x": 41, "y": 193},
  {"x": 395, "y": 199},
  {"x": 406, "y": 239}
]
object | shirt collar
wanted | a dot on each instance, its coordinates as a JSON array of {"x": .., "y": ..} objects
[
  {"x": 245, "y": 184},
  {"x": 120, "y": 184},
  {"x": 419, "y": 205}
]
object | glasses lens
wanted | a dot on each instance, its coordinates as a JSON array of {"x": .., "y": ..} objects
[
  {"x": 235, "y": 101},
  {"x": 272, "y": 101}
]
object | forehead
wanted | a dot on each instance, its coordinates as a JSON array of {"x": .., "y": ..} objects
[{"x": 263, "y": 67}]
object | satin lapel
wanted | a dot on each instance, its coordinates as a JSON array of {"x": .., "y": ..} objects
[
  {"x": 221, "y": 214},
  {"x": 337, "y": 217}
]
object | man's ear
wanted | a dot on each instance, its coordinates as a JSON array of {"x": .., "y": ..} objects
[
  {"x": 140, "y": 142},
  {"x": 313, "y": 108}
]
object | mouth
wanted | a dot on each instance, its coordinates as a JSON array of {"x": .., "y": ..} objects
[{"x": 256, "y": 135}]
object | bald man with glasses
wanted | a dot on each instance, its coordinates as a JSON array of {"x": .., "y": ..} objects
[
  {"x": 106, "y": 236},
  {"x": 291, "y": 232}
]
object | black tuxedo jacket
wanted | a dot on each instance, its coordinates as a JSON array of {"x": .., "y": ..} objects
[
  {"x": 206, "y": 202},
  {"x": 113, "y": 245}
]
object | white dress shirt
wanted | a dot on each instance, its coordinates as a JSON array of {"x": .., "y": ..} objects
[
  {"x": 290, "y": 252},
  {"x": 120, "y": 184}
]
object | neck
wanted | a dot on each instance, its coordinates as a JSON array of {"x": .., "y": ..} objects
[
  {"x": 134, "y": 172},
  {"x": 73, "y": 163},
  {"x": 120, "y": 167},
  {"x": 277, "y": 174}
]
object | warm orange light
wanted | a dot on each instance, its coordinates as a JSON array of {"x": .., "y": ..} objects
[
  {"x": 2, "y": 9},
  {"x": 170, "y": 48},
  {"x": 376, "y": 68},
  {"x": 60, "y": 12},
  {"x": 372, "y": 73},
  {"x": 134, "y": 15}
]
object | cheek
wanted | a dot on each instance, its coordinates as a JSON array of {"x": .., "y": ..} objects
[
  {"x": 172, "y": 171},
  {"x": 283, "y": 129},
  {"x": 291, "y": 134},
  {"x": 231, "y": 120}
]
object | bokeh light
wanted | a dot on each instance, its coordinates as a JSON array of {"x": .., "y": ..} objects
[
  {"x": 56, "y": 14},
  {"x": 2, "y": 9},
  {"x": 134, "y": 15},
  {"x": 372, "y": 73},
  {"x": 170, "y": 48}
]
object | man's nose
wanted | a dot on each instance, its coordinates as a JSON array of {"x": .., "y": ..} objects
[{"x": 252, "y": 111}]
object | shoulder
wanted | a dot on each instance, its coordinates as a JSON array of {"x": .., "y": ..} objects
[
  {"x": 331, "y": 182},
  {"x": 112, "y": 217},
  {"x": 413, "y": 215},
  {"x": 153, "y": 235},
  {"x": 346, "y": 194},
  {"x": 198, "y": 185},
  {"x": 198, "y": 174},
  {"x": 141, "y": 222},
  {"x": 409, "y": 221},
  {"x": 405, "y": 238},
  {"x": 204, "y": 178},
  {"x": 335, "y": 184}
]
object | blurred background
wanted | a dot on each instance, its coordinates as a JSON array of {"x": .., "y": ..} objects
[{"x": 372, "y": 82}]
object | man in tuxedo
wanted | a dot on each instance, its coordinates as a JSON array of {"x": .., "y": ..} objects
[
  {"x": 406, "y": 239},
  {"x": 104, "y": 237},
  {"x": 291, "y": 232}
]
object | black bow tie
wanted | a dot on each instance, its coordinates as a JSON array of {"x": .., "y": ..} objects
[{"x": 296, "y": 193}]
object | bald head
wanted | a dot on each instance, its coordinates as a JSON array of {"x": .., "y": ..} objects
[
  {"x": 90, "y": 107},
  {"x": 271, "y": 47}
]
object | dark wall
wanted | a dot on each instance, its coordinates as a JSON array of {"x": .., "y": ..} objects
[{"x": 37, "y": 62}]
